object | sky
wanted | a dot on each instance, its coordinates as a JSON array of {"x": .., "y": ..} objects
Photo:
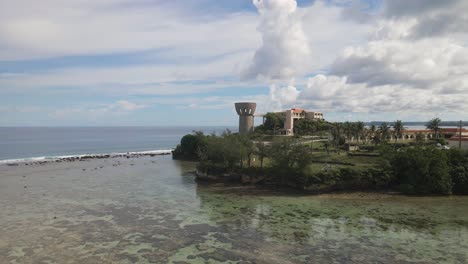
[{"x": 185, "y": 62}]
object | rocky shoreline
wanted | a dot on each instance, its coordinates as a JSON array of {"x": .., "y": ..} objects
[{"x": 127, "y": 155}]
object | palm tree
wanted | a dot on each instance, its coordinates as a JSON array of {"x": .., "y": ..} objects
[
  {"x": 336, "y": 132},
  {"x": 384, "y": 131},
  {"x": 398, "y": 129},
  {"x": 376, "y": 139},
  {"x": 262, "y": 151},
  {"x": 348, "y": 129},
  {"x": 365, "y": 135},
  {"x": 372, "y": 131},
  {"x": 359, "y": 129},
  {"x": 434, "y": 125}
]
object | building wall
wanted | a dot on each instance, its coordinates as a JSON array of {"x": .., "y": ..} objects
[
  {"x": 292, "y": 115},
  {"x": 246, "y": 124},
  {"x": 289, "y": 121},
  {"x": 246, "y": 111},
  {"x": 314, "y": 115}
]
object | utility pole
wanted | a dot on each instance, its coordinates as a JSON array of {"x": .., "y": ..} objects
[{"x": 460, "y": 135}]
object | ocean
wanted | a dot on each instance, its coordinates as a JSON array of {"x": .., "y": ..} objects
[{"x": 42, "y": 143}]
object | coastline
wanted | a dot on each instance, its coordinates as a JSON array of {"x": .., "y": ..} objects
[
  {"x": 105, "y": 165},
  {"x": 82, "y": 157}
]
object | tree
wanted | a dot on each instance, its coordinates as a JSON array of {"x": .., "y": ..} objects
[
  {"x": 247, "y": 148},
  {"x": 384, "y": 131},
  {"x": 458, "y": 160},
  {"x": 434, "y": 125},
  {"x": 419, "y": 138},
  {"x": 337, "y": 135},
  {"x": 372, "y": 132},
  {"x": 422, "y": 171},
  {"x": 359, "y": 130},
  {"x": 281, "y": 159},
  {"x": 273, "y": 121},
  {"x": 290, "y": 159},
  {"x": 190, "y": 146},
  {"x": 261, "y": 150},
  {"x": 303, "y": 127},
  {"x": 348, "y": 129},
  {"x": 398, "y": 129},
  {"x": 229, "y": 150}
]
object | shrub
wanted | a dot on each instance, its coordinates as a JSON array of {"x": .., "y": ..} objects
[
  {"x": 459, "y": 170},
  {"x": 190, "y": 146},
  {"x": 422, "y": 171},
  {"x": 460, "y": 179},
  {"x": 350, "y": 179},
  {"x": 441, "y": 141}
]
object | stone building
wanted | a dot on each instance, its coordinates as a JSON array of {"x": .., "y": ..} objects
[
  {"x": 291, "y": 115},
  {"x": 246, "y": 111}
]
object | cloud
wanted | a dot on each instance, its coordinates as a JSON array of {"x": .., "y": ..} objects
[
  {"x": 289, "y": 51},
  {"x": 72, "y": 28},
  {"x": 281, "y": 97},
  {"x": 402, "y": 8},
  {"x": 178, "y": 45},
  {"x": 284, "y": 52},
  {"x": 357, "y": 11},
  {"x": 119, "y": 108},
  {"x": 419, "y": 64},
  {"x": 398, "y": 70},
  {"x": 409, "y": 58},
  {"x": 333, "y": 94},
  {"x": 396, "y": 73},
  {"x": 157, "y": 77},
  {"x": 127, "y": 106},
  {"x": 431, "y": 17}
]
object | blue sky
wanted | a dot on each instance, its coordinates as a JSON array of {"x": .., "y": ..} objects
[{"x": 151, "y": 62}]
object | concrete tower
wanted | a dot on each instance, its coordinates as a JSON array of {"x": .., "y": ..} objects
[{"x": 246, "y": 112}]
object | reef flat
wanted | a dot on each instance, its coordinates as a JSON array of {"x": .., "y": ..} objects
[{"x": 149, "y": 209}]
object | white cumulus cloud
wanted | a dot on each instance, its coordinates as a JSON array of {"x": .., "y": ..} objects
[
  {"x": 284, "y": 52},
  {"x": 399, "y": 70}
]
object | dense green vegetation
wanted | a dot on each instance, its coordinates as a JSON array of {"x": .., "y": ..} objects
[
  {"x": 273, "y": 123},
  {"x": 416, "y": 168},
  {"x": 304, "y": 127},
  {"x": 421, "y": 170},
  {"x": 190, "y": 147}
]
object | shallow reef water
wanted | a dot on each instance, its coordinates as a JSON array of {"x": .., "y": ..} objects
[{"x": 151, "y": 210}]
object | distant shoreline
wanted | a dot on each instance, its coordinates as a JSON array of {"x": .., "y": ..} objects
[{"x": 421, "y": 123}]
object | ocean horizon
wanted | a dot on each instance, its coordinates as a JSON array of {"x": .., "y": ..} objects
[
  {"x": 36, "y": 143},
  {"x": 43, "y": 143}
]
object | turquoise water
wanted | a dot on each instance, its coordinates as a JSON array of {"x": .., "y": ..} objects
[{"x": 150, "y": 210}]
